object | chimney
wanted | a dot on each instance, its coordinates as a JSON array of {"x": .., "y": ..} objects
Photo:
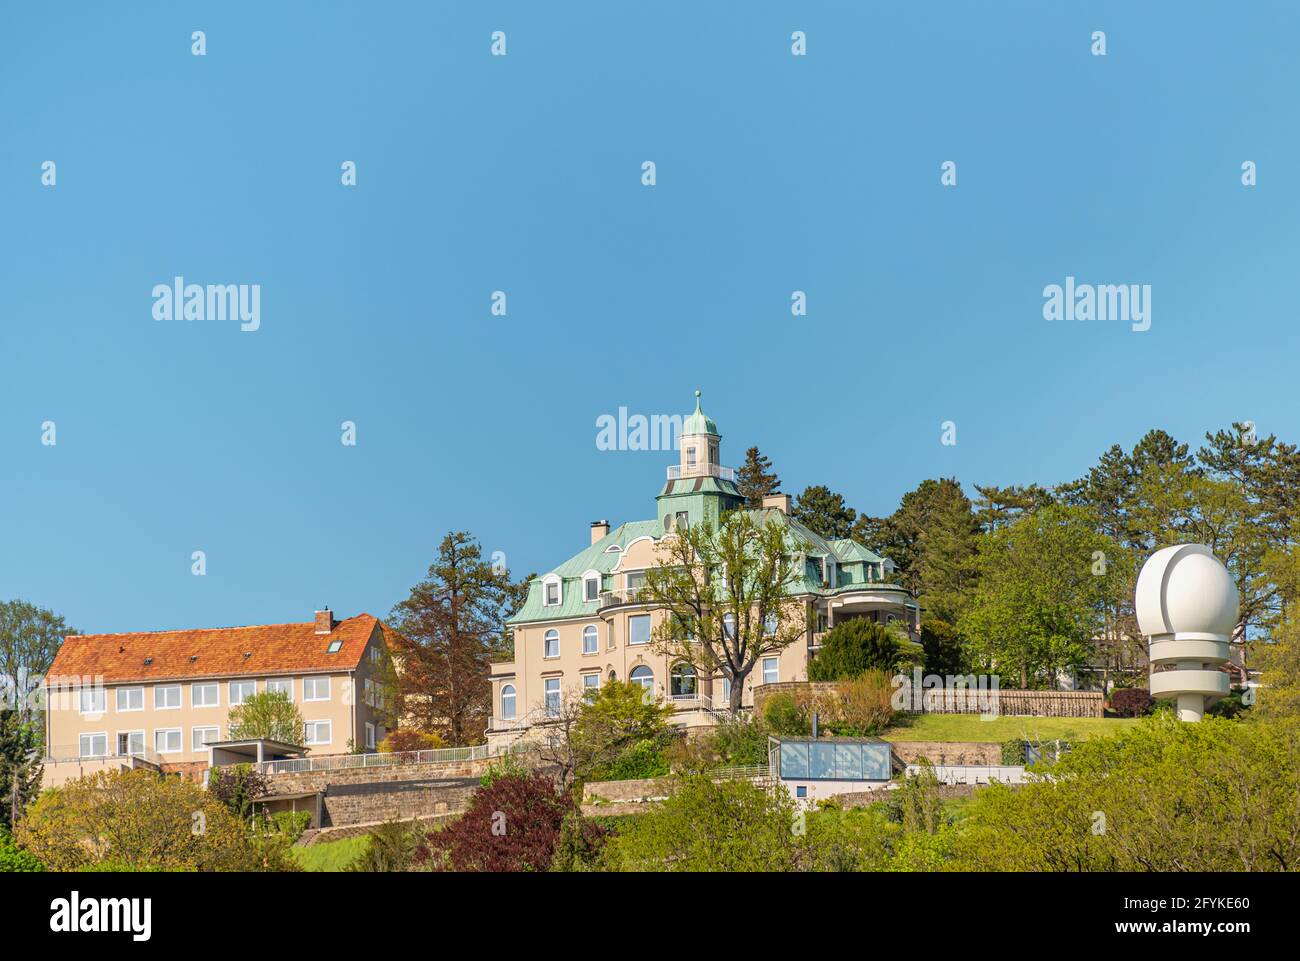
[
  {"x": 598, "y": 530},
  {"x": 325, "y": 621},
  {"x": 780, "y": 502}
]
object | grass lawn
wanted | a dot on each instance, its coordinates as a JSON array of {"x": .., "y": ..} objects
[
  {"x": 971, "y": 727},
  {"x": 330, "y": 855}
]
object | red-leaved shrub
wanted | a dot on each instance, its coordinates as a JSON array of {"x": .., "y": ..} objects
[{"x": 1132, "y": 702}]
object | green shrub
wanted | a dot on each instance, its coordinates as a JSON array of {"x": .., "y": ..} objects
[
  {"x": 13, "y": 858},
  {"x": 1013, "y": 752},
  {"x": 290, "y": 823},
  {"x": 392, "y": 848},
  {"x": 853, "y": 647},
  {"x": 508, "y": 766},
  {"x": 785, "y": 716},
  {"x": 640, "y": 760},
  {"x": 864, "y": 706}
]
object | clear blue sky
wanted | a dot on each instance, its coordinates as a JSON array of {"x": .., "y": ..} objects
[{"x": 522, "y": 173}]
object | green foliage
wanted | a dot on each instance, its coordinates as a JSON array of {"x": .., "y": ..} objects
[
  {"x": 736, "y": 740},
  {"x": 579, "y": 844},
  {"x": 1013, "y": 751},
  {"x": 291, "y": 824},
  {"x": 508, "y": 766},
  {"x": 13, "y": 858},
  {"x": 853, "y": 647},
  {"x": 330, "y": 855},
  {"x": 140, "y": 819},
  {"x": 1213, "y": 796},
  {"x": 1041, "y": 597},
  {"x": 824, "y": 512},
  {"x": 1233, "y": 705},
  {"x": 271, "y": 715},
  {"x": 20, "y": 765},
  {"x": 942, "y": 649},
  {"x": 860, "y": 706},
  {"x": 407, "y": 740},
  {"x": 785, "y": 716},
  {"x": 642, "y": 759},
  {"x": 392, "y": 847},
  {"x": 755, "y": 479},
  {"x": 618, "y": 730},
  {"x": 237, "y": 787}
]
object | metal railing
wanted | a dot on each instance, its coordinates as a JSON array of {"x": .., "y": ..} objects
[
  {"x": 349, "y": 762},
  {"x": 703, "y": 470},
  {"x": 72, "y": 752},
  {"x": 622, "y": 595}
]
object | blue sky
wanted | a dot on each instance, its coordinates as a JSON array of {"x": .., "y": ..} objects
[{"x": 523, "y": 173}]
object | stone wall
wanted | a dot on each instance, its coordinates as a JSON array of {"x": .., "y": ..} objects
[{"x": 621, "y": 791}]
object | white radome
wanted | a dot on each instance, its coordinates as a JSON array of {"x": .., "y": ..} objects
[
  {"x": 1185, "y": 590},
  {"x": 1186, "y": 603}
]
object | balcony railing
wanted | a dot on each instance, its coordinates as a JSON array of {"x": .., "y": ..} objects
[
  {"x": 623, "y": 595},
  {"x": 703, "y": 470},
  {"x": 72, "y": 752}
]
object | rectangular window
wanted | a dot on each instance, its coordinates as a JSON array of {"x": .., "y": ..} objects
[
  {"x": 315, "y": 688},
  {"x": 93, "y": 700},
  {"x": 551, "y": 644},
  {"x": 552, "y": 593},
  {"x": 240, "y": 691},
  {"x": 94, "y": 745},
  {"x": 370, "y": 735},
  {"x": 130, "y": 743},
  {"x": 167, "y": 698},
  {"x": 334, "y": 648},
  {"x": 130, "y": 699},
  {"x": 316, "y": 732},
  {"x": 726, "y": 689},
  {"x": 282, "y": 684},
  {"x": 552, "y": 697},
  {"x": 690, "y": 457},
  {"x": 801, "y": 791},
  {"x": 590, "y": 685},
  {"x": 205, "y": 695},
  {"x": 771, "y": 670},
  {"x": 167, "y": 740},
  {"x": 635, "y": 580},
  {"x": 638, "y": 629},
  {"x": 201, "y": 737}
]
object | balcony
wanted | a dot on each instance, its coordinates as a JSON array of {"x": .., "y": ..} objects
[
  {"x": 703, "y": 470},
  {"x": 621, "y": 596}
]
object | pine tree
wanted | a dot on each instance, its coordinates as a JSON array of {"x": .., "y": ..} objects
[
  {"x": 756, "y": 479},
  {"x": 824, "y": 512}
]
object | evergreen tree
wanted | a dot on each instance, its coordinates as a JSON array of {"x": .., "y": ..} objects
[
  {"x": 755, "y": 479},
  {"x": 446, "y": 634},
  {"x": 824, "y": 512},
  {"x": 20, "y": 768}
]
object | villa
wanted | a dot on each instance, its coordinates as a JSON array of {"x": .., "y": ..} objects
[
  {"x": 585, "y": 621},
  {"x": 162, "y": 699}
]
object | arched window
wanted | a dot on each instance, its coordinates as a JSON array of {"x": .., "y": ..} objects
[
  {"x": 684, "y": 682},
  {"x": 508, "y": 702},
  {"x": 589, "y": 639},
  {"x": 644, "y": 676},
  {"x": 551, "y": 644}
]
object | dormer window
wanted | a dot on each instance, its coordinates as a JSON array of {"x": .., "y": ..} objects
[
  {"x": 551, "y": 594},
  {"x": 591, "y": 587}
]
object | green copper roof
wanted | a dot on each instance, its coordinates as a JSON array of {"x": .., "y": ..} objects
[
  {"x": 699, "y": 422},
  {"x": 851, "y": 551}
]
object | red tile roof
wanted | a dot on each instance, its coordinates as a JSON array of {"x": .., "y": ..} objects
[{"x": 216, "y": 652}]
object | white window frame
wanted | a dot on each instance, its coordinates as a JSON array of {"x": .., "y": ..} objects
[
  {"x": 546, "y": 641},
  {"x": 649, "y": 636},
  {"x": 313, "y": 682},
  {"x": 313, "y": 726},
  {"x": 117, "y": 742},
  {"x": 370, "y": 736},
  {"x": 588, "y": 595},
  {"x": 129, "y": 690},
  {"x": 230, "y": 692},
  {"x": 729, "y": 626},
  {"x": 285, "y": 684},
  {"x": 594, "y": 633},
  {"x": 776, "y": 670},
  {"x": 513, "y": 698},
  {"x": 552, "y": 580},
  {"x": 180, "y": 739},
  {"x": 215, "y": 685},
  {"x": 546, "y": 696},
  {"x": 646, "y": 680},
  {"x": 588, "y": 688},
  {"x": 103, "y": 699},
  {"x": 334, "y": 647},
  {"x": 81, "y": 739},
  {"x": 157, "y": 693},
  {"x": 194, "y": 732}
]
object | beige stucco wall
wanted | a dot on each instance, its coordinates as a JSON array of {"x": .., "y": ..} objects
[{"x": 346, "y": 710}]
